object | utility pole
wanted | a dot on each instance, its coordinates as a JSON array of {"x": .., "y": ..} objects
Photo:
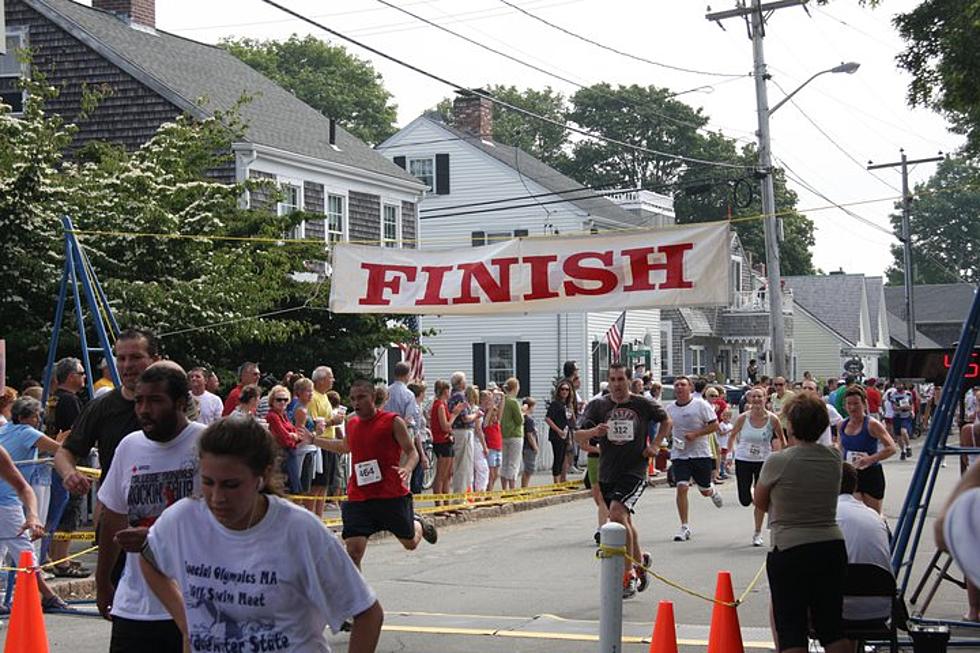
[
  {"x": 756, "y": 23},
  {"x": 903, "y": 163}
]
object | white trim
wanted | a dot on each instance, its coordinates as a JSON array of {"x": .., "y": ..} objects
[
  {"x": 344, "y": 216},
  {"x": 667, "y": 329},
  {"x": 339, "y": 169},
  {"x": 398, "y": 222},
  {"x": 432, "y": 160},
  {"x": 21, "y": 33},
  {"x": 513, "y": 353},
  {"x": 699, "y": 349}
]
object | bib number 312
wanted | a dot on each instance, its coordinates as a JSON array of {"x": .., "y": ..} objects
[{"x": 620, "y": 430}]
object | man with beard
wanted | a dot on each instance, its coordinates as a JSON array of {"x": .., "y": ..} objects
[
  {"x": 155, "y": 467},
  {"x": 109, "y": 418}
]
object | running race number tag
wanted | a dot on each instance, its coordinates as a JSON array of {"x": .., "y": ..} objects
[
  {"x": 854, "y": 456},
  {"x": 620, "y": 430},
  {"x": 755, "y": 450},
  {"x": 367, "y": 472}
]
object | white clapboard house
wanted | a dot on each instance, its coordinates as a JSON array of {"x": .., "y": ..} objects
[{"x": 480, "y": 192}]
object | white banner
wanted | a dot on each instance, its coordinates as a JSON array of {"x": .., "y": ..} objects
[{"x": 675, "y": 266}]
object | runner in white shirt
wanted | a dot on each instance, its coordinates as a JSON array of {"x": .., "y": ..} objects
[
  {"x": 152, "y": 469},
  {"x": 827, "y": 437},
  {"x": 756, "y": 434},
  {"x": 693, "y": 421},
  {"x": 252, "y": 570}
]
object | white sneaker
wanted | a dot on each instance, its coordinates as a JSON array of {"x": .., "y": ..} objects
[
  {"x": 716, "y": 499},
  {"x": 757, "y": 540},
  {"x": 683, "y": 534}
]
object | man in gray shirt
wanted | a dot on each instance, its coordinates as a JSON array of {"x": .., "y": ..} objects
[{"x": 401, "y": 401}]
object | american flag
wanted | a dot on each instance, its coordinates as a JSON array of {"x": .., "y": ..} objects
[
  {"x": 412, "y": 351},
  {"x": 614, "y": 336}
]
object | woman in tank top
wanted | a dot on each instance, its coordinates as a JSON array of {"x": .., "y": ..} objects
[
  {"x": 755, "y": 434},
  {"x": 864, "y": 442}
]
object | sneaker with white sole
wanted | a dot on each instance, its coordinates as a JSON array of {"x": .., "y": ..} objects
[
  {"x": 683, "y": 534},
  {"x": 717, "y": 500},
  {"x": 629, "y": 588},
  {"x": 642, "y": 579},
  {"x": 757, "y": 540}
]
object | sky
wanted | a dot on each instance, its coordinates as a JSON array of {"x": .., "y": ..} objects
[{"x": 824, "y": 137}]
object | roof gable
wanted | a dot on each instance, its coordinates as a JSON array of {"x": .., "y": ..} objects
[
  {"x": 836, "y": 300},
  {"x": 940, "y": 302},
  {"x": 541, "y": 173},
  {"x": 202, "y": 79}
]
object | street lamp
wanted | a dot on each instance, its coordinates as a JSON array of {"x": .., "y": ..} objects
[
  {"x": 777, "y": 327},
  {"x": 849, "y": 67}
]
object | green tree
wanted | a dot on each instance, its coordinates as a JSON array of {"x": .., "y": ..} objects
[
  {"x": 705, "y": 193},
  {"x": 219, "y": 264},
  {"x": 643, "y": 116},
  {"x": 944, "y": 225},
  {"x": 541, "y": 139},
  {"x": 326, "y": 77}
]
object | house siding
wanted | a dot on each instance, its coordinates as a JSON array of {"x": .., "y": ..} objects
[
  {"x": 313, "y": 203},
  {"x": 364, "y": 215},
  {"x": 409, "y": 225},
  {"x": 129, "y": 114},
  {"x": 817, "y": 349}
]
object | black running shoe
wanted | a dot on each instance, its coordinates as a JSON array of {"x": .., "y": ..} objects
[
  {"x": 429, "y": 533},
  {"x": 642, "y": 579}
]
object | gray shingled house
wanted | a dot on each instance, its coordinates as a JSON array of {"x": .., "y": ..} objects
[
  {"x": 940, "y": 310},
  {"x": 155, "y": 77}
]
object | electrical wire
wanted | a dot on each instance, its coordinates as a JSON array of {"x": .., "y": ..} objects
[
  {"x": 622, "y": 100},
  {"x": 833, "y": 142},
  {"x": 622, "y": 53},
  {"x": 501, "y": 103}
]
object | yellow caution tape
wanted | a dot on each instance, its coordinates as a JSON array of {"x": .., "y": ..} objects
[
  {"x": 694, "y": 593},
  {"x": 54, "y": 563},
  {"x": 420, "y": 498}
]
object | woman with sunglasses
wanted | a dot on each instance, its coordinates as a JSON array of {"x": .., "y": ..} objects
[
  {"x": 560, "y": 419},
  {"x": 299, "y": 472}
]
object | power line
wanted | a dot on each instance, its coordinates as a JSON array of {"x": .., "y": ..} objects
[
  {"x": 622, "y": 100},
  {"x": 617, "y": 51},
  {"x": 834, "y": 142},
  {"x": 460, "y": 88}
]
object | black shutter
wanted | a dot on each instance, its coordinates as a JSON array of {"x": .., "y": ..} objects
[
  {"x": 524, "y": 368},
  {"x": 520, "y": 233},
  {"x": 478, "y": 238},
  {"x": 480, "y": 364},
  {"x": 595, "y": 368},
  {"x": 394, "y": 357},
  {"x": 400, "y": 162},
  {"x": 442, "y": 174}
]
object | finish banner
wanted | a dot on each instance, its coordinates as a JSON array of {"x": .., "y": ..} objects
[{"x": 676, "y": 266}]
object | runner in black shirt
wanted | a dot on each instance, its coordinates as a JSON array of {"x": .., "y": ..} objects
[{"x": 619, "y": 423}]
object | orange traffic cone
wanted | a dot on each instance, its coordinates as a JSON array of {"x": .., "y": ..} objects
[
  {"x": 725, "y": 635},
  {"x": 25, "y": 633},
  {"x": 664, "y": 631}
]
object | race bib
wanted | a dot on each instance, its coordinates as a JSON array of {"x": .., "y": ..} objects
[
  {"x": 679, "y": 442},
  {"x": 854, "y": 456},
  {"x": 755, "y": 450},
  {"x": 367, "y": 472},
  {"x": 620, "y": 431}
]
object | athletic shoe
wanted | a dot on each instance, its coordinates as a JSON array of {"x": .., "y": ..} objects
[
  {"x": 346, "y": 626},
  {"x": 683, "y": 534},
  {"x": 757, "y": 540},
  {"x": 429, "y": 533},
  {"x": 717, "y": 500},
  {"x": 629, "y": 588},
  {"x": 597, "y": 537},
  {"x": 642, "y": 580},
  {"x": 908, "y": 452},
  {"x": 902, "y": 456}
]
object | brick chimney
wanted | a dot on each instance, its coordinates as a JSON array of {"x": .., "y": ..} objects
[
  {"x": 140, "y": 13},
  {"x": 474, "y": 114}
]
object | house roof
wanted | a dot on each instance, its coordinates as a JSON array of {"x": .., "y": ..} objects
[
  {"x": 544, "y": 175},
  {"x": 872, "y": 288},
  {"x": 940, "y": 302},
  {"x": 697, "y": 321},
  {"x": 833, "y": 299},
  {"x": 200, "y": 79},
  {"x": 898, "y": 330}
]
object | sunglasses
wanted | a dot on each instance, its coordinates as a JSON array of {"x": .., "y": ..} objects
[{"x": 281, "y": 399}]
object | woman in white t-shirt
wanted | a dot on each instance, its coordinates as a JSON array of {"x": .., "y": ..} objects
[
  {"x": 243, "y": 569},
  {"x": 755, "y": 434}
]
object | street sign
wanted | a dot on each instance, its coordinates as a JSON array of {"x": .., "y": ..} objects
[{"x": 854, "y": 366}]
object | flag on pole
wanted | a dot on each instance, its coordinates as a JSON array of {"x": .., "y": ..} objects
[
  {"x": 412, "y": 351},
  {"x": 614, "y": 336}
]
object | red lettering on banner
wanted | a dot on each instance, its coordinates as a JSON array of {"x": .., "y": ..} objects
[
  {"x": 641, "y": 266},
  {"x": 540, "y": 289},
  {"x": 496, "y": 291},
  {"x": 433, "y": 285},
  {"x": 573, "y": 268},
  {"x": 379, "y": 280}
]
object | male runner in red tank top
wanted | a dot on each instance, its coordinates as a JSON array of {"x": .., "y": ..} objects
[{"x": 378, "y": 498}]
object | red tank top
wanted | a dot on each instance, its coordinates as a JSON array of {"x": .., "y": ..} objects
[
  {"x": 375, "y": 454},
  {"x": 435, "y": 424},
  {"x": 494, "y": 436}
]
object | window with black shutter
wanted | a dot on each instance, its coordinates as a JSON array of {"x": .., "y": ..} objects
[
  {"x": 478, "y": 238},
  {"x": 524, "y": 368},
  {"x": 480, "y": 364}
]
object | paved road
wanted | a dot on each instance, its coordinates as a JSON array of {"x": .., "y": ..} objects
[{"x": 527, "y": 582}]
